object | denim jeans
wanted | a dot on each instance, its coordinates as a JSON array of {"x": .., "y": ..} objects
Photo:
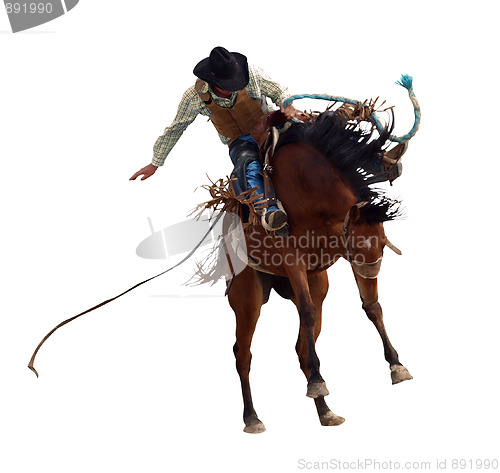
[{"x": 253, "y": 169}]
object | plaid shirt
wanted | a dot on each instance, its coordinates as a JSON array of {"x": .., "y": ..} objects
[{"x": 191, "y": 105}]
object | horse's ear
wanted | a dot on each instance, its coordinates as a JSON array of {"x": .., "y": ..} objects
[{"x": 354, "y": 213}]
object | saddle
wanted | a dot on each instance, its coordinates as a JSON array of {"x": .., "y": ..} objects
[{"x": 266, "y": 133}]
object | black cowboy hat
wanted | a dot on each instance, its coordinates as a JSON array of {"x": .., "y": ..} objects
[{"x": 229, "y": 71}]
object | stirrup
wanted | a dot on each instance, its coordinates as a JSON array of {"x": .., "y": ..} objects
[
  {"x": 394, "y": 172},
  {"x": 282, "y": 224},
  {"x": 275, "y": 220}
]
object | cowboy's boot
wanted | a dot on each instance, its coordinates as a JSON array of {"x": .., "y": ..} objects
[{"x": 275, "y": 219}]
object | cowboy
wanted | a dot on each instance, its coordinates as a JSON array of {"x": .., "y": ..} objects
[{"x": 233, "y": 95}]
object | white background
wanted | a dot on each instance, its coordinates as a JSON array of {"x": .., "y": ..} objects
[{"x": 148, "y": 382}]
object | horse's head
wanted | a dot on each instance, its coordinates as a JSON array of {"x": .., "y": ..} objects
[{"x": 365, "y": 238}]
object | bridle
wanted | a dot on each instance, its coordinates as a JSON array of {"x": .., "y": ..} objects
[{"x": 345, "y": 230}]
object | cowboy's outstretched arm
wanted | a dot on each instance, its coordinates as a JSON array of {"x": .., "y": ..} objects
[{"x": 186, "y": 114}]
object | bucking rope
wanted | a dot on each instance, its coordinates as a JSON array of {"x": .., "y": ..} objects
[
  {"x": 224, "y": 199},
  {"x": 406, "y": 82},
  {"x": 32, "y": 360}
]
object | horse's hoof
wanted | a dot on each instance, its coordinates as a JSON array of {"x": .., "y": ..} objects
[
  {"x": 399, "y": 373},
  {"x": 315, "y": 390},
  {"x": 254, "y": 428},
  {"x": 331, "y": 419}
]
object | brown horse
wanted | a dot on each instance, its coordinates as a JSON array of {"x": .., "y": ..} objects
[{"x": 321, "y": 174}]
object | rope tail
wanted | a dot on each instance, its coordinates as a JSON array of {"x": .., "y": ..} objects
[
  {"x": 32, "y": 360},
  {"x": 406, "y": 81}
]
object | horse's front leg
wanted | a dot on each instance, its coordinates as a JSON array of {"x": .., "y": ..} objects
[
  {"x": 318, "y": 288},
  {"x": 369, "y": 296},
  {"x": 309, "y": 323},
  {"x": 246, "y": 298}
]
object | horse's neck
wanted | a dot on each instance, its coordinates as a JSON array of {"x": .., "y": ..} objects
[{"x": 309, "y": 185}]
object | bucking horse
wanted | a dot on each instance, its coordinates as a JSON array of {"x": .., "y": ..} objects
[{"x": 323, "y": 171}]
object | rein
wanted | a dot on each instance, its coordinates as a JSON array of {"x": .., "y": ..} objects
[{"x": 32, "y": 360}]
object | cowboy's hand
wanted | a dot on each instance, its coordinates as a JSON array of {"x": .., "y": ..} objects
[
  {"x": 146, "y": 172},
  {"x": 290, "y": 112}
]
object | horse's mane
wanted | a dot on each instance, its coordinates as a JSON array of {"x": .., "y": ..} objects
[{"x": 356, "y": 153}]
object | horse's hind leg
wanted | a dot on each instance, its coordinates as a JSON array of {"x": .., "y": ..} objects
[
  {"x": 246, "y": 297},
  {"x": 369, "y": 296},
  {"x": 318, "y": 288}
]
